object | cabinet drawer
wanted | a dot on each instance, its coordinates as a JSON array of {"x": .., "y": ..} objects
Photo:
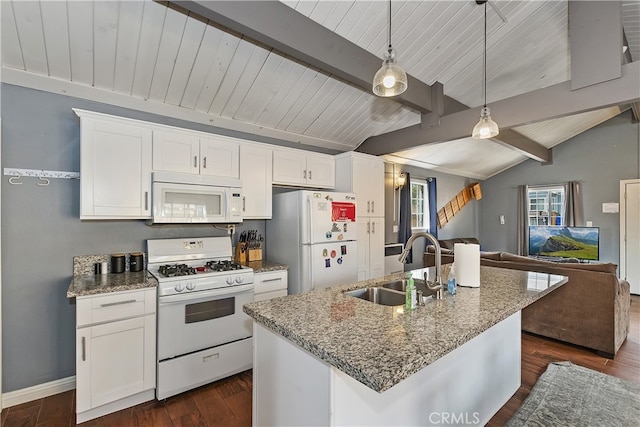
[
  {"x": 114, "y": 306},
  {"x": 270, "y": 281},
  {"x": 263, "y": 296},
  {"x": 182, "y": 373}
]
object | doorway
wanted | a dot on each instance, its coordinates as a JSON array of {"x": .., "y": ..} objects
[{"x": 630, "y": 233}]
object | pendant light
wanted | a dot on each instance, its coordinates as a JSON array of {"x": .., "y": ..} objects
[
  {"x": 485, "y": 128},
  {"x": 391, "y": 79}
]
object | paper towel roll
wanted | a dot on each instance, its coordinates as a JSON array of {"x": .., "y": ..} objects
[{"x": 467, "y": 259}]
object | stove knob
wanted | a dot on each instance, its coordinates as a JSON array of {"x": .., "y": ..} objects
[
  {"x": 229, "y": 280},
  {"x": 239, "y": 279},
  {"x": 191, "y": 286},
  {"x": 179, "y": 287}
]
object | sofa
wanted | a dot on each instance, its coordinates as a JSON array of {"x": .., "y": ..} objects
[{"x": 590, "y": 310}]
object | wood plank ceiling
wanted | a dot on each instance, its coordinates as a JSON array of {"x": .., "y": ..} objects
[{"x": 169, "y": 58}]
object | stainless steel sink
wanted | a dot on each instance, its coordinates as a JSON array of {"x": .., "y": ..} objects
[
  {"x": 380, "y": 296},
  {"x": 401, "y": 286}
]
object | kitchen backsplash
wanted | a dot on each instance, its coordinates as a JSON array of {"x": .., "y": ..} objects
[{"x": 84, "y": 265}]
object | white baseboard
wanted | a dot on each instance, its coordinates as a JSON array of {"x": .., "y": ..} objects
[{"x": 39, "y": 391}]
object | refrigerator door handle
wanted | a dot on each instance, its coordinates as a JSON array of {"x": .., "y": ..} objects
[{"x": 310, "y": 238}]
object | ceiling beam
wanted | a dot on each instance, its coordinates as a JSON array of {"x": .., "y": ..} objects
[
  {"x": 280, "y": 27},
  {"x": 532, "y": 107}
]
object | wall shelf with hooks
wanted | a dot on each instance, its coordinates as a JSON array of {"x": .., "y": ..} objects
[{"x": 43, "y": 175}]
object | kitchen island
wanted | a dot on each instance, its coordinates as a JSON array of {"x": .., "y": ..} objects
[{"x": 326, "y": 358}]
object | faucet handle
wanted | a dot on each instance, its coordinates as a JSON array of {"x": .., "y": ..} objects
[{"x": 420, "y": 297}]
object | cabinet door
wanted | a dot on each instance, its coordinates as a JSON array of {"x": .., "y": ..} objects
[
  {"x": 175, "y": 152},
  {"x": 219, "y": 157},
  {"x": 289, "y": 167},
  {"x": 376, "y": 248},
  {"x": 376, "y": 187},
  {"x": 364, "y": 231},
  {"x": 115, "y": 170},
  {"x": 362, "y": 185},
  {"x": 114, "y": 360},
  {"x": 256, "y": 173},
  {"x": 321, "y": 171}
]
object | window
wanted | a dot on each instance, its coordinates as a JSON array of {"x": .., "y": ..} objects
[
  {"x": 546, "y": 205},
  {"x": 419, "y": 206}
]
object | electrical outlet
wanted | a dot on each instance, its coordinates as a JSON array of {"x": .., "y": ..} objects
[
  {"x": 231, "y": 229},
  {"x": 395, "y": 228},
  {"x": 502, "y": 219}
]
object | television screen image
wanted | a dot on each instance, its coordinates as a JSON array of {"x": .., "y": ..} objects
[{"x": 565, "y": 242}]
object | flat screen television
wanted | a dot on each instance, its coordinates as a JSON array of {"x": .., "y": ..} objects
[{"x": 582, "y": 243}]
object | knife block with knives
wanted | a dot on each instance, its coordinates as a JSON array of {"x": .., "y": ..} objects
[{"x": 249, "y": 247}]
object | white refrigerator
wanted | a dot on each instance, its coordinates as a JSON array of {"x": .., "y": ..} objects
[{"x": 314, "y": 234}]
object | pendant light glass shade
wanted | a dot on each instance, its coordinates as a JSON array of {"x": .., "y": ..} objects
[
  {"x": 391, "y": 79},
  {"x": 485, "y": 128}
]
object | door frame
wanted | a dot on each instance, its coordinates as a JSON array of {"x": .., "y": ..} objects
[{"x": 623, "y": 231}]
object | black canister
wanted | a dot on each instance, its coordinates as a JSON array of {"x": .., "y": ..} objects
[
  {"x": 136, "y": 261},
  {"x": 117, "y": 263}
]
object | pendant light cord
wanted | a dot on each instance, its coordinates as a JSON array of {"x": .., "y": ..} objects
[
  {"x": 389, "y": 25},
  {"x": 484, "y": 57}
]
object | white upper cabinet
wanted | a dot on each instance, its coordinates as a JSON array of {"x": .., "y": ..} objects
[
  {"x": 303, "y": 168},
  {"x": 193, "y": 152},
  {"x": 363, "y": 175},
  {"x": 115, "y": 168},
  {"x": 219, "y": 156},
  {"x": 256, "y": 171},
  {"x": 176, "y": 152}
]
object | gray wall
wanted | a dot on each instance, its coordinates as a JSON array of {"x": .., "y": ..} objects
[
  {"x": 41, "y": 232},
  {"x": 599, "y": 158},
  {"x": 464, "y": 224}
]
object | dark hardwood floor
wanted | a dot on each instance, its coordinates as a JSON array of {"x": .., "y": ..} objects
[{"x": 228, "y": 402}]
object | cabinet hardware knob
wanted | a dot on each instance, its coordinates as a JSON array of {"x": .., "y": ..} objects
[
  {"x": 195, "y": 161},
  {"x": 204, "y": 162}
]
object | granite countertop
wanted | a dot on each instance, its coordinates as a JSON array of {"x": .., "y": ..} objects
[
  {"x": 266, "y": 266},
  {"x": 106, "y": 283},
  {"x": 380, "y": 345}
]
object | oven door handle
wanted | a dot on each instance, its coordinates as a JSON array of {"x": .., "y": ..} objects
[{"x": 204, "y": 295}]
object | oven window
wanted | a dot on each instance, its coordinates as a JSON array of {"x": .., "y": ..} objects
[{"x": 208, "y": 310}]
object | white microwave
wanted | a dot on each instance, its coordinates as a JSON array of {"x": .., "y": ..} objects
[{"x": 195, "y": 199}]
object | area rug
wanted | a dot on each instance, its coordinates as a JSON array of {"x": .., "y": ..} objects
[{"x": 570, "y": 395}]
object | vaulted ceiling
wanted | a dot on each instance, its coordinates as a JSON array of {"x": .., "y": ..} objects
[{"x": 191, "y": 61}]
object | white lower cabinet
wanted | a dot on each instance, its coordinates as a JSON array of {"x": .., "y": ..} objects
[
  {"x": 269, "y": 284},
  {"x": 370, "y": 239},
  {"x": 115, "y": 351}
]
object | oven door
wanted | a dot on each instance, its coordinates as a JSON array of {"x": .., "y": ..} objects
[{"x": 198, "y": 320}]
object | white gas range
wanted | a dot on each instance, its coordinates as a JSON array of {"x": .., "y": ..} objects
[{"x": 203, "y": 334}]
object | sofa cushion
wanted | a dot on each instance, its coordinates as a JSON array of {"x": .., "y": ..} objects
[
  {"x": 602, "y": 268},
  {"x": 448, "y": 243},
  {"x": 491, "y": 255}
]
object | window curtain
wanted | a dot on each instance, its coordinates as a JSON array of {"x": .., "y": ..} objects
[
  {"x": 523, "y": 220},
  {"x": 404, "y": 224},
  {"x": 573, "y": 211},
  {"x": 433, "y": 207}
]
